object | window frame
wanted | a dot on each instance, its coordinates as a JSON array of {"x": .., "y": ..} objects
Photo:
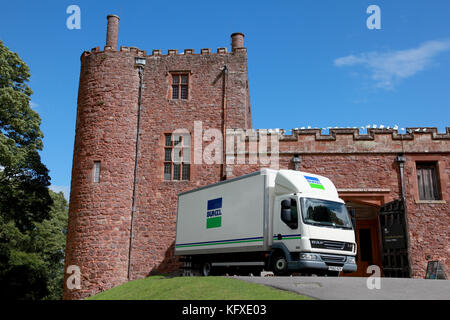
[
  {"x": 435, "y": 191},
  {"x": 184, "y": 171},
  {"x": 96, "y": 171},
  {"x": 180, "y": 85}
]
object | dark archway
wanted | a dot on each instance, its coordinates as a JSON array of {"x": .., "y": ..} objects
[{"x": 367, "y": 235}]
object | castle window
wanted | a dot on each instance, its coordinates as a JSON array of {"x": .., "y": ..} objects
[
  {"x": 177, "y": 156},
  {"x": 176, "y": 171},
  {"x": 180, "y": 85},
  {"x": 96, "y": 171},
  {"x": 186, "y": 170},
  {"x": 427, "y": 181}
]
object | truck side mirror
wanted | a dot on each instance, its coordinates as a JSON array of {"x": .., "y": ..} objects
[
  {"x": 286, "y": 204},
  {"x": 286, "y": 215}
]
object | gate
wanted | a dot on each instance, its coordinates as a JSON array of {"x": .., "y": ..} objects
[{"x": 394, "y": 240}]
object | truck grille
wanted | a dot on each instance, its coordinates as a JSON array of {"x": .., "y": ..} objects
[
  {"x": 334, "y": 259},
  {"x": 332, "y": 245}
]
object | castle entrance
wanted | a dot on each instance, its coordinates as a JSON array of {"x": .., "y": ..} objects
[{"x": 368, "y": 237}]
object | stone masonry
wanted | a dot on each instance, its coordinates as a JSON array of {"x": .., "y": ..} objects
[{"x": 112, "y": 244}]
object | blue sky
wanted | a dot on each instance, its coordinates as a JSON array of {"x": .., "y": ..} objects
[{"x": 311, "y": 63}]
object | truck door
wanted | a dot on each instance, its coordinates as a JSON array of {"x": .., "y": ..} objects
[{"x": 286, "y": 222}]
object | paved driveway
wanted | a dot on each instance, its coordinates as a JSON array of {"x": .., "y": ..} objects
[{"x": 349, "y": 288}]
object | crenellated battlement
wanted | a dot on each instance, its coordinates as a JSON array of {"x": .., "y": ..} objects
[
  {"x": 159, "y": 53},
  {"x": 349, "y": 140},
  {"x": 318, "y": 134},
  {"x": 370, "y": 135},
  {"x": 237, "y": 44}
]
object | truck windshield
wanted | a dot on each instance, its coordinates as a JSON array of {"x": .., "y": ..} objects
[{"x": 325, "y": 213}]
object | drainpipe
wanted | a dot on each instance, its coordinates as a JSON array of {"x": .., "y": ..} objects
[
  {"x": 401, "y": 159},
  {"x": 140, "y": 63},
  {"x": 224, "y": 120}
]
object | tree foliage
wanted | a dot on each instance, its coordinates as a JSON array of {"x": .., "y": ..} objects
[
  {"x": 24, "y": 195},
  {"x": 49, "y": 241},
  {"x": 32, "y": 262},
  {"x": 32, "y": 218}
]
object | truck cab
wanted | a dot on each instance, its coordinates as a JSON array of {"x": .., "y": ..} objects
[{"x": 312, "y": 230}]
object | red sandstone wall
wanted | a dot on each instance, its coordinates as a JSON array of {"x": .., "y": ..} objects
[
  {"x": 429, "y": 221},
  {"x": 157, "y": 199},
  {"x": 99, "y": 213}
]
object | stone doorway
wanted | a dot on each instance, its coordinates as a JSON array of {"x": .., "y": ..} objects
[{"x": 368, "y": 237}]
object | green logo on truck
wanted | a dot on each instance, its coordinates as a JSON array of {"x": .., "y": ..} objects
[
  {"x": 314, "y": 183},
  {"x": 214, "y": 213}
]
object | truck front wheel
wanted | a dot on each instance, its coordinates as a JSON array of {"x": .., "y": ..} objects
[{"x": 279, "y": 264}]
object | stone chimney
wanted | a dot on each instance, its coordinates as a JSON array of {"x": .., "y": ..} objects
[
  {"x": 237, "y": 40},
  {"x": 112, "y": 33}
]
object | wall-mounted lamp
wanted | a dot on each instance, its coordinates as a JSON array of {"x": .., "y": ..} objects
[
  {"x": 400, "y": 158},
  {"x": 139, "y": 62},
  {"x": 296, "y": 160}
]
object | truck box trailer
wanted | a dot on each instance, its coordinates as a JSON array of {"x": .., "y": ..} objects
[{"x": 280, "y": 220}]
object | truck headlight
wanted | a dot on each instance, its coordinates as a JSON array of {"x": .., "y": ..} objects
[
  {"x": 309, "y": 256},
  {"x": 351, "y": 260}
]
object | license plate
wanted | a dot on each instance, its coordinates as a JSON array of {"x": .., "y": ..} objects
[{"x": 333, "y": 268}]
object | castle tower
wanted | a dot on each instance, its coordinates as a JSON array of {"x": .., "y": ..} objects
[{"x": 125, "y": 176}]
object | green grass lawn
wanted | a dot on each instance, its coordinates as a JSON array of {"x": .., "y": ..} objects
[{"x": 194, "y": 288}]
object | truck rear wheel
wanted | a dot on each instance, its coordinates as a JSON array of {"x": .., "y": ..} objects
[
  {"x": 279, "y": 264},
  {"x": 205, "y": 269}
]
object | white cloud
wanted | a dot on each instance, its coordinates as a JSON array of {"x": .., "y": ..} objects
[
  {"x": 63, "y": 189},
  {"x": 388, "y": 68}
]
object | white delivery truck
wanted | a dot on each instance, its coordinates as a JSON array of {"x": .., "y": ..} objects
[{"x": 280, "y": 220}]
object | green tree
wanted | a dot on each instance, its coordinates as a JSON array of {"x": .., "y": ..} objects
[
  {"x": 32, "y": 265},
  {"x": 49, "y": 241},
  {"x": 25, "y": 201},
  {"x": 24, "y": 195}
]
